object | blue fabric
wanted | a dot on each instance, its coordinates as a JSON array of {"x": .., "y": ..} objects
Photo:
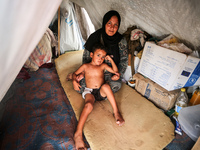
[
  {"x": 180, "y": 142},
  {"x": 39, "y": 115}
]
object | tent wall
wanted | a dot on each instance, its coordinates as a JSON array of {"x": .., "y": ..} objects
[
  {"x": 23, "y": 24},
  {"x": 157, "y": 17}
]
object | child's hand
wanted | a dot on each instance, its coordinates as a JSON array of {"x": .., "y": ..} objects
[
  {"x": 108, "y": 58},
  {"x": 76, "y": 85}
]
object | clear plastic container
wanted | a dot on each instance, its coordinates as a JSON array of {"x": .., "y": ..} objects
[
  {"x": 189, "y": 119},
  {"x": 182, "y": 101}
]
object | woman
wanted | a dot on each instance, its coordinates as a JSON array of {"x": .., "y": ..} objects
[{"x": 116, "y": 44}]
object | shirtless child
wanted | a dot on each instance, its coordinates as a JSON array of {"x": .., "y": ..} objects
[{"x": 96, "y": 89}]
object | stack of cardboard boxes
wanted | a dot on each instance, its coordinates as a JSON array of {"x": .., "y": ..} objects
[{"x": 162, "y": 72}]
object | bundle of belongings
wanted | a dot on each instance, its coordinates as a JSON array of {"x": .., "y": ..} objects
[
  {"x": 136, "y": 39},
  {"x": 173, "y": 43},
  {"x": 43, "y": 52},
  {"x": 42, "y": 55}
]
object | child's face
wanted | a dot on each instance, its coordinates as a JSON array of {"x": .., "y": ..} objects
[{"x": 98, "y": 56}]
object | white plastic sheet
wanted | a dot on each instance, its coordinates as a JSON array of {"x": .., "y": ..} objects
[
  {"x": 70, "y": 38},
  {"x": 23, "y": 23}
]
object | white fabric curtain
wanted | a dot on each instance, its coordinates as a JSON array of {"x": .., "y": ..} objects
[{"x": 23, "y": 23}]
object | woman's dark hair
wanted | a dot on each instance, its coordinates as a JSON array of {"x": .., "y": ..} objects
[{"x": 99, "y": 46}]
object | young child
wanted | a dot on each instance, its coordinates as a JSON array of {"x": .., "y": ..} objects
[{"x": 96, "y": 88}]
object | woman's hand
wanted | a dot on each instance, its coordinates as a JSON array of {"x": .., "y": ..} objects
[
  {"x": 116, "y": 76},
  {"x": 80, "y": 77}
]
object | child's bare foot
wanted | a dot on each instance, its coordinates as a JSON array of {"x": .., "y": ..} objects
[
  {"x": 79, "y": 143},
  {"x": 69, "y": 77},
  {"x": 119, "y": 119}
]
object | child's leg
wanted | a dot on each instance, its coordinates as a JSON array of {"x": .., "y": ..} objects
[
  {"x": 106, "y": 91},
  {"x": 78, "y": 136}
]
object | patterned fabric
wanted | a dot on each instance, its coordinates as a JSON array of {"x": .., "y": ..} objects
[
  {"x": 180, "y": 142},
  {"x": 123, "y": 51},
  {"x": 38, "y": 116}
]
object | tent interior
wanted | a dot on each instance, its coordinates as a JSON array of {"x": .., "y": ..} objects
[{"x": 24, "y": 26}]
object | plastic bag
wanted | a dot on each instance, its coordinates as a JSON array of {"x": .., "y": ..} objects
[{"x": 70, "y": 38}]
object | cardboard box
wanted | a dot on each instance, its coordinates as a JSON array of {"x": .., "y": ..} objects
[
  {"x": 159, "y": 96},
  {"x": 170, "y": 69}
]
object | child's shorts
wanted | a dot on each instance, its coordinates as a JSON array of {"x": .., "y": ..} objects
[{"x": 95, "y": 92}]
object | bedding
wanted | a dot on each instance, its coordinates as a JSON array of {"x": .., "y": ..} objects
[{"x": 146, "y": 126}]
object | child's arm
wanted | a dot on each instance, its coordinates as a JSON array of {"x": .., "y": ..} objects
[
  {"x": 75, "y": 82},
  {"x": 112, "y": 69}
]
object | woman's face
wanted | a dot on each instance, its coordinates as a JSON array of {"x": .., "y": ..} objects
[{"x": 112, "y": 26}]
